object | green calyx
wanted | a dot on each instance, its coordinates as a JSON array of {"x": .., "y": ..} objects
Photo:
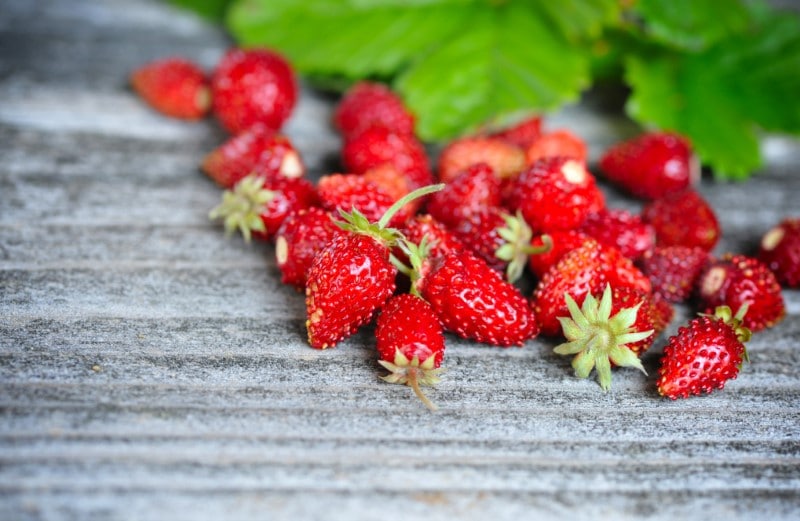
[
  {"x": 356, "y": 222},
  {"x": 596, "y": 338},
  {"x": 412, "y": 373},
  {"x": 241, "y": 207},
  {"x": 517, "y": 246},
  {"x": 725, "y": 315},
  {"x": 416, "y": 253}
]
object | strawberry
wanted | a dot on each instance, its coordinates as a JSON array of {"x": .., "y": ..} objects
[
  {"x": 369, "y": 103},
  {"x": 256, "y": 206},
  {"x": 522, "y": 133},
  {"x": 378, "y": 145},
  {"x": 673, "y": 270},
  {"x": 662, "y": 312},
  {"x": 352, "y": 277},
  {"x": 253, "y": 86},
  {"x": 652, "y": 165},
  {"x": 561, "y": 242},
  {"x": 579, "y": 272},
  {"x": 555, "y": 194},
  {"x": 298, "y": 240},
  {"x": 703, "y": 355},
  {"x": 605, "y": 332},
  {"x": 559, "y": 143},
  {"x": 683, "y": 219},
  {"x": 472, "y": 190},
  {"x": 472, "y": 300},
  {"x": 350, "y": 191},
  {"x": 621, "y": 229},
  {"x": 257, "y": 150},
  {"x": 410, "y": 343},
  {"x": 737, "y": 281},
  {"x": 440, "y": 239},
  {"x": 174, "y": 86},
  {"x": 780, "y": 251},
  {"x": 505, "y": 159}
]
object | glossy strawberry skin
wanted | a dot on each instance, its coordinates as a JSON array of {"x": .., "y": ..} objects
[
  {"x": 558, "y": 143},
  {"x": 523, "y": 133},
  {"x": 474, "y": 302},
  {"x": 505, "y": 159},
  {"x": 348, "y": 191},
  {"x": 621, "y": 229},
  {"x": 701, "y": 357},
  {"x": 348, "y": 281},
  {"x": 174, "y": 86},
  {"x": 409, "y": 324},
  {"x": 473, "y": 190},
  {"x": 257, "y": 150},
  {"x": 441, "y": 240},
  {"x": 480, "y": 234},
  {"x": 779, "y": 250},
  {"x": 555, "y": 194},
  {"x": 674, "y": 270},
  {"x": 651, "y": 165},
  {"x": 290, "y": 196},
  {"x": 562, "y": 241},
  {"x": 369, "y": 103},
  {"x": 253, "y": 86},
  {"x": 298, "y": 240},
  {"x": 378, "y": 145},
  {"x": 736, "y": 280},
  {"x": 683, "y": 218}
]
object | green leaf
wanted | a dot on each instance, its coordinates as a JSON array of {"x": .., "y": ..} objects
[
  {"x": 210, "y": 9},
  {"x": 692, "y": 24},
  {"x": 722, "y": 97}
]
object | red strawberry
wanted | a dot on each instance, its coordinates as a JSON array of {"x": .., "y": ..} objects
[
  {"x": 652, "y": 165},
  {"x": 257, "y": 150},
  {"x": 368, "y": 103},
  {"x": 523, "y": 133},
  {"x": 780, "y": 251},
  {"x": 621, "y": 229},
  {"x": 439, "y": 238},
  {"x": 561, "y": 242},
  {"x": 352, "y": 277},
  {"x": 298, "y": 240},
  {"x": 662, "y": 312},
  {"x": 673, "y": 270},
  {"x": 473, "y": 301},
  {"x": 257, "y": 206},
  {"x": 737, "y": 281},
  {"x": 174, "y": 86},
  {"x": 472, "y": 190},
  {"x": 253, "y": 86},
  {"x": 348, "y": 191},
  {"x": 581, "y": 271},
  {"x": 505, "y": 159},
  {"x": 559, "y": 143},
  {"x": 394, "y": 183},
  {"x": 379, "y": 145},
  {"x": 613, "y": 330},
  {"x": 555, "y": 194},
  {"x": 683, "y": 219},
  {"x": 704, "y": 355},
  {"x": 410, "y": 343}
]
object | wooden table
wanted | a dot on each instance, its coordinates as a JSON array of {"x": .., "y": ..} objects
[{"x": 151, "y": 368}]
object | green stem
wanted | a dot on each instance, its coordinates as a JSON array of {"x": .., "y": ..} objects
[{"x": 419, "y": 192}]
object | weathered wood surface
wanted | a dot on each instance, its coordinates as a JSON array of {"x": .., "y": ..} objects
[{"x": 150, "y": 368}]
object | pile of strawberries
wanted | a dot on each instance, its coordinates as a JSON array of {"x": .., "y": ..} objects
[{"x": 514, "y": 208}]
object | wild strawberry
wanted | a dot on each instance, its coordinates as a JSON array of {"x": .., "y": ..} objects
[
  {"x": 440, "y": 240},
  {"x": 369, "y": 103},
  {"x": 257, "y": 150},
  {"x": 352, "y": 277},
  {"x": 683, "y": 219},
  {"x": 621, "y": 229},
  {"x": 298, "y": 240},
  {"x": 673, "y": 270},
  {"x": 472, "y": 190},
  {"x": 253, "y": 86},
  {"x": 378, "y": 145},
  {"x": 256, "y": 206},
  {"x": 662, "y": 313},
  {"x": 410, "y": 343},
  {"x": 394, "y": 183},
  {"x": 561, "y": 242},
  {"x": 505, "y": 159},
  {"x": 780, "y": 251},
  {"x": 704, "y": 355},
  {"x": 174, "y": 86},
  {"x": 602, "y": 333},
  {"x": 348, "y": 191},
  {"x": 652, "y": 165},
  {"x": 581, "y": 271},
  {"x": 522, "y": 133},
  {"x": 555, "y": 194},
  {"x": 472, "y": 300},
  {"x": 559, "y": 143},
  {"x": 738, "y": 280}
]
